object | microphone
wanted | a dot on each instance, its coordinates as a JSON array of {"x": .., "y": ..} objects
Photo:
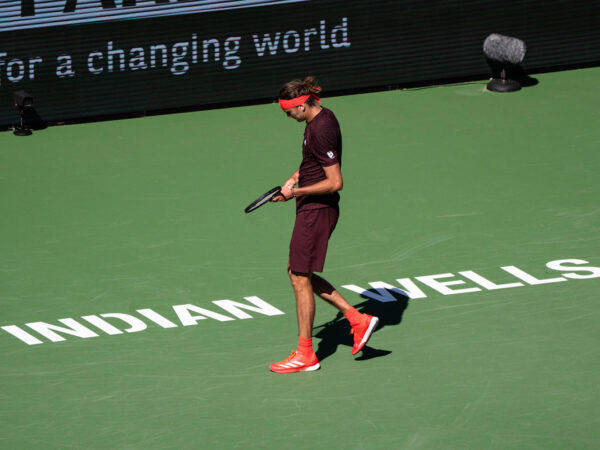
[{"x": 503, "y": 51}]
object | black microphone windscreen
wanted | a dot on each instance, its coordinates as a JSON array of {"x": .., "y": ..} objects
[{"x": 504, "y": 49}]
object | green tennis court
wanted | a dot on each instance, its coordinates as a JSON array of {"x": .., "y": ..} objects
[{"x": 483, "y": 207}]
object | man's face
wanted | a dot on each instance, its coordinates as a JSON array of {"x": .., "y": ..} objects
[{"x": 297, "y": 112}]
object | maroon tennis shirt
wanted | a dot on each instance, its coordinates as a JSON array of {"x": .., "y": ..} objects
[{"x": 322, "y": 147}]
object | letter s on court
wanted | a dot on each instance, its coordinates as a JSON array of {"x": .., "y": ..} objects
[{"x": 594, "y": 272}]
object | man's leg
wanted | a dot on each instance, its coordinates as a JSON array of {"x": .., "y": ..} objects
[
  {"x": 327, "y": 292},
  {"x": 305, "y": 302},
  {"x": 304, "y": 358},
  {"x": 362, "y": 325}
]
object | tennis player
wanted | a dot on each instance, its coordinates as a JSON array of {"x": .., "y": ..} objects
[{"x": 315, "y": 186}]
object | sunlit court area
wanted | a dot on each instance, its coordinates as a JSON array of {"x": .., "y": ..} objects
[{"x": 141, "y": 306}]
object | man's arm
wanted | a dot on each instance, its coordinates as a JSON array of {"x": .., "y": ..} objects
[
  {"x": 332, "y": 183},
  {"x": 287, "y": 187},
  {"x": 293, "y": 180}
]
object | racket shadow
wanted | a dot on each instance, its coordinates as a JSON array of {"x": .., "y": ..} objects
[{"x": 337, "y": 331}]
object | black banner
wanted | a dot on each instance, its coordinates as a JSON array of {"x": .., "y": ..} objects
[{"x": 89, "y": 58}]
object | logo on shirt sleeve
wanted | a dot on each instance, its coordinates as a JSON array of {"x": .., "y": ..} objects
[{"x": 330, "y": 154}]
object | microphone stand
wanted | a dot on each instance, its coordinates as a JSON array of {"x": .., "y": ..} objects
[{"x": 503, "y": 84}]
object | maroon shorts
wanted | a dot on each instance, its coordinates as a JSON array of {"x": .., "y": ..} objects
[{"x": 311, "y": 233}]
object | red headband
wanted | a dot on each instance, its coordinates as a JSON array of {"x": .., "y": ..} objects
[{"x": 291, "y": 103}]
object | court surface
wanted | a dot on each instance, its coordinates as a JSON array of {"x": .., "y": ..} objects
[{"x": 471, "y": 200}]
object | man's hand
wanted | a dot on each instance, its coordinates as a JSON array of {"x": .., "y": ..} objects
[
  {"x": 285, "y": 195},
  {"x": 290, "y": 183}
]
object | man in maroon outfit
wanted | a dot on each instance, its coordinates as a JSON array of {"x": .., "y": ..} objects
[{"x": 318, "y": 180}]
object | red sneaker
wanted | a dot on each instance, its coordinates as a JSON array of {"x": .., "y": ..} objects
[
  {"x": 296, "y": 363},
  {"x": 363, "y": 332}
]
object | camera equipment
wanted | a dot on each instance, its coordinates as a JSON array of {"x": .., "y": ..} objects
[{"x": 24, "y": 104}]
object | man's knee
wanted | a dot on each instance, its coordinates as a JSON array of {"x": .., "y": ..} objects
[
  {"x": 321, "y": 285},
  {"x": 299, "y": 279}
]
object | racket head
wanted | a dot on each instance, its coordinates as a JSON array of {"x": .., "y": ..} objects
[{"x": 265, "y": 198}]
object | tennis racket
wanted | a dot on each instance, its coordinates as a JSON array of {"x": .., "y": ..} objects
[{"x": 266, "y": 197}]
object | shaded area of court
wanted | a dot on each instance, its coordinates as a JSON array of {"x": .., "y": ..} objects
[{"x": 121, "y": 216}]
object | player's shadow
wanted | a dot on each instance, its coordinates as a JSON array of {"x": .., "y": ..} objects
[{"x": 337, "y": 331}]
